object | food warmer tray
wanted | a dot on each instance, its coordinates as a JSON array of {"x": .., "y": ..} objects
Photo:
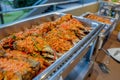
[
  {"x": 104, "y": 35},
  {"x": 60, "y": 66}
]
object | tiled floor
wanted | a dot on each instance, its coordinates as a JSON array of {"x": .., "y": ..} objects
[{"x": 114, "y": 66}]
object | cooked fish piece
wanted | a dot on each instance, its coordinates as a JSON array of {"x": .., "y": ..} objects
[
  {"x": 15, "y": 66},
  {"x": 43, "y": 61},
  {"x": 8, "y": 75},
  {"x": 68, "y": 27},
  {"x": 63, "y": 19},
  {"x": 65, "y": 35},
  {"x": 7, "y": 42},
  {"x": 42, "y": 46},
  {"x": 75, "y": 26},
  {"x": 31, "y": 32},
  {"x": 25, "y": 45},
  {"x": 34, "y": 59},
  {"x": 45, "y": 28},
  {"x": 32, "y": 44},
  {"x": 58, "y": 44},
  {"x": 18, "y": 55},
  {"x": 28, "y": 32}
]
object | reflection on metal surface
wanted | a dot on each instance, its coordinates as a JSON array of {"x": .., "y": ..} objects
[{"x": 80, "y": 70}]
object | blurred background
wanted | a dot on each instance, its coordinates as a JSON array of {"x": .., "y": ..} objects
[{"x": 12, "y": 10}]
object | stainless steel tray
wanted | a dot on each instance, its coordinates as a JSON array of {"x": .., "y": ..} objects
[
  {"x": 108, "y": 27},
  {"x": 60, "y": 66},
  {"x": 104, "y": 35}
]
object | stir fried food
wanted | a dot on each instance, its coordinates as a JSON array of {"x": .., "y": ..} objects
[
  {"x": 98, "y": 18},
  {"x": 25, "y": 54}
]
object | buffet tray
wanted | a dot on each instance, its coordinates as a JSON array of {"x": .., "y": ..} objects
[
  {"x": 112, "y": 20},
  {"x": 104, "y": 35},
  {"x": 58, "y": 68}
]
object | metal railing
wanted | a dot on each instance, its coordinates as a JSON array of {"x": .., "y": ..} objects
[
  {"x": 41, "y": 5},
  {"x": 33, "y": 7}
]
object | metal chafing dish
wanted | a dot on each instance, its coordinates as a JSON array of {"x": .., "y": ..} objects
[
  {"x": 107, "y": 29},
  {"x": 64, "y": 65}
]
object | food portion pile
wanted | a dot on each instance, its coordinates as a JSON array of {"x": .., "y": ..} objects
[
  {"x": 25, "y": 54},
  {"x": 98, "y": 18}
]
